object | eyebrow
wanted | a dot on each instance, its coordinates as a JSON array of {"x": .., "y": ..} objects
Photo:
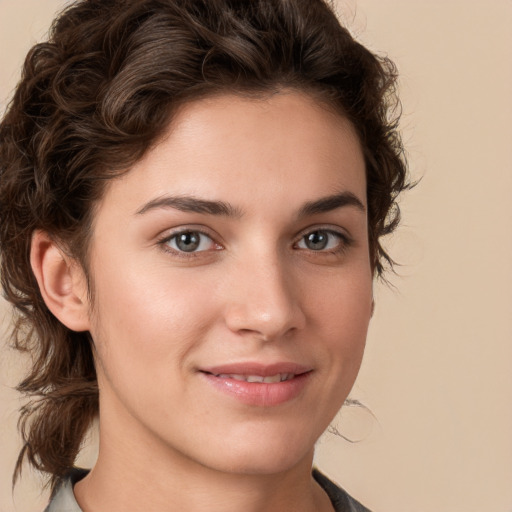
[
  {"x": 327, "y": 204},
  {"x": 205, "y": 206},
  {"x": 191, "y": 204}
]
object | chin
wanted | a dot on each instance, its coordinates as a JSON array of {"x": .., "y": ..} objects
[
  {"x": 264, "y": 464},
  {"x": 261, "y": 455}
]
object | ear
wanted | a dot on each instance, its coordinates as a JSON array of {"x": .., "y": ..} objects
[{"x": 61, "y": 281}]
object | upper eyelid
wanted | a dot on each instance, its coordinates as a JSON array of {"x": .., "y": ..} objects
[
  {"x": 170, "y": 233},
  {"x": 337, "y": 230}
]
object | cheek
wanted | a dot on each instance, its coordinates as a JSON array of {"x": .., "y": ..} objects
[
  {"x": 148, "y": 317},
  {"x": 145, "y": 332},
  {"x": 342, "y": 316}
]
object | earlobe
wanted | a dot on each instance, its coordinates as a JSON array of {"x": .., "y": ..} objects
[{"x": 61, "y": 282}]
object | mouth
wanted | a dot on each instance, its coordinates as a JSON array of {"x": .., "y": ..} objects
[
  {"x": 270, "y": 379},
  {"x": 259, "y": 385}
]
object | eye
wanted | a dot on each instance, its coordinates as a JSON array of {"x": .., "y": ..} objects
[
  {"x": 323, "y": 240},
  {"x": 189, "y": 242}
]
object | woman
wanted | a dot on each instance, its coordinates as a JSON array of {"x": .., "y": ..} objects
[{"x": 192, "y": 197}]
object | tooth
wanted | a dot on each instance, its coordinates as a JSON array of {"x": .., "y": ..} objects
[
  {"x": 254, "y": 378},
  {"x": 272, "y": 378}
]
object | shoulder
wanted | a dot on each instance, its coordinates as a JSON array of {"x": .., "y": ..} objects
[
  {"x": 341, "y": 501},
  {"x": 63, "y": 499}
]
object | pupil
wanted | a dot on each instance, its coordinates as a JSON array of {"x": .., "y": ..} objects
[
  {"x": 188, "y": 242},
  {"x": 317, "y": 240}
]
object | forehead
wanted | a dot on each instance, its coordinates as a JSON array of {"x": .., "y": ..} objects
[{"x": 248, "y": 151}]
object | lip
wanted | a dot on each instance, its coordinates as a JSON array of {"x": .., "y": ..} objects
[
  {"x": 260, "y": 394},
  {"x": 254, "y": 368}
]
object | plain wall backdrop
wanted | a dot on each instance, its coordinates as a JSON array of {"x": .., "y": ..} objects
[{"x": 437, "y": 374}]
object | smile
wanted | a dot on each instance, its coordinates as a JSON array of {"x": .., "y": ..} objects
[{"x": 258, "y": 385}]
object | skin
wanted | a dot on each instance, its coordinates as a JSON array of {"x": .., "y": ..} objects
[{"x": 253, "y": 291}]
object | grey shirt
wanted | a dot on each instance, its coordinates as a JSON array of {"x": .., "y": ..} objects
[{"x": 64, "y": 499}]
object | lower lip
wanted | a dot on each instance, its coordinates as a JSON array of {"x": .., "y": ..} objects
[{"x": 260, "y": 393}]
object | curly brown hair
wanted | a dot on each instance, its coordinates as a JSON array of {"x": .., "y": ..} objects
[{"x": 96, "y": 96}]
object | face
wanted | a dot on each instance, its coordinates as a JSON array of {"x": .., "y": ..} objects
[{"x": 233, "y": 288}]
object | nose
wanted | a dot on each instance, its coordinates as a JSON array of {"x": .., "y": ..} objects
[{"x": 264, "y": 300}]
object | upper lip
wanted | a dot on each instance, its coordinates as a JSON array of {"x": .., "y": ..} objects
[{"x": 254, "y": 368}]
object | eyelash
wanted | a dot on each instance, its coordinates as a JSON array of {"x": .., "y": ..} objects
[
  {"x": 164, "y": 243},
  {"x": 345, "y": 242}
]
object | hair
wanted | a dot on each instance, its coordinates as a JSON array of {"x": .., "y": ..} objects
[{"x": 98, "y": 94}]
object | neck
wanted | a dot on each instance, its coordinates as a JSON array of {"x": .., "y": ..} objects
[{"x": 128, "y": 485}]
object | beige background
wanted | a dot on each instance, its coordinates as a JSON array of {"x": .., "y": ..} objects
[{"x": 438, "y": 369}]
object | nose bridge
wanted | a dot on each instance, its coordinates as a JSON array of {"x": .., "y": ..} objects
[{"x": 263, "y": 300}]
